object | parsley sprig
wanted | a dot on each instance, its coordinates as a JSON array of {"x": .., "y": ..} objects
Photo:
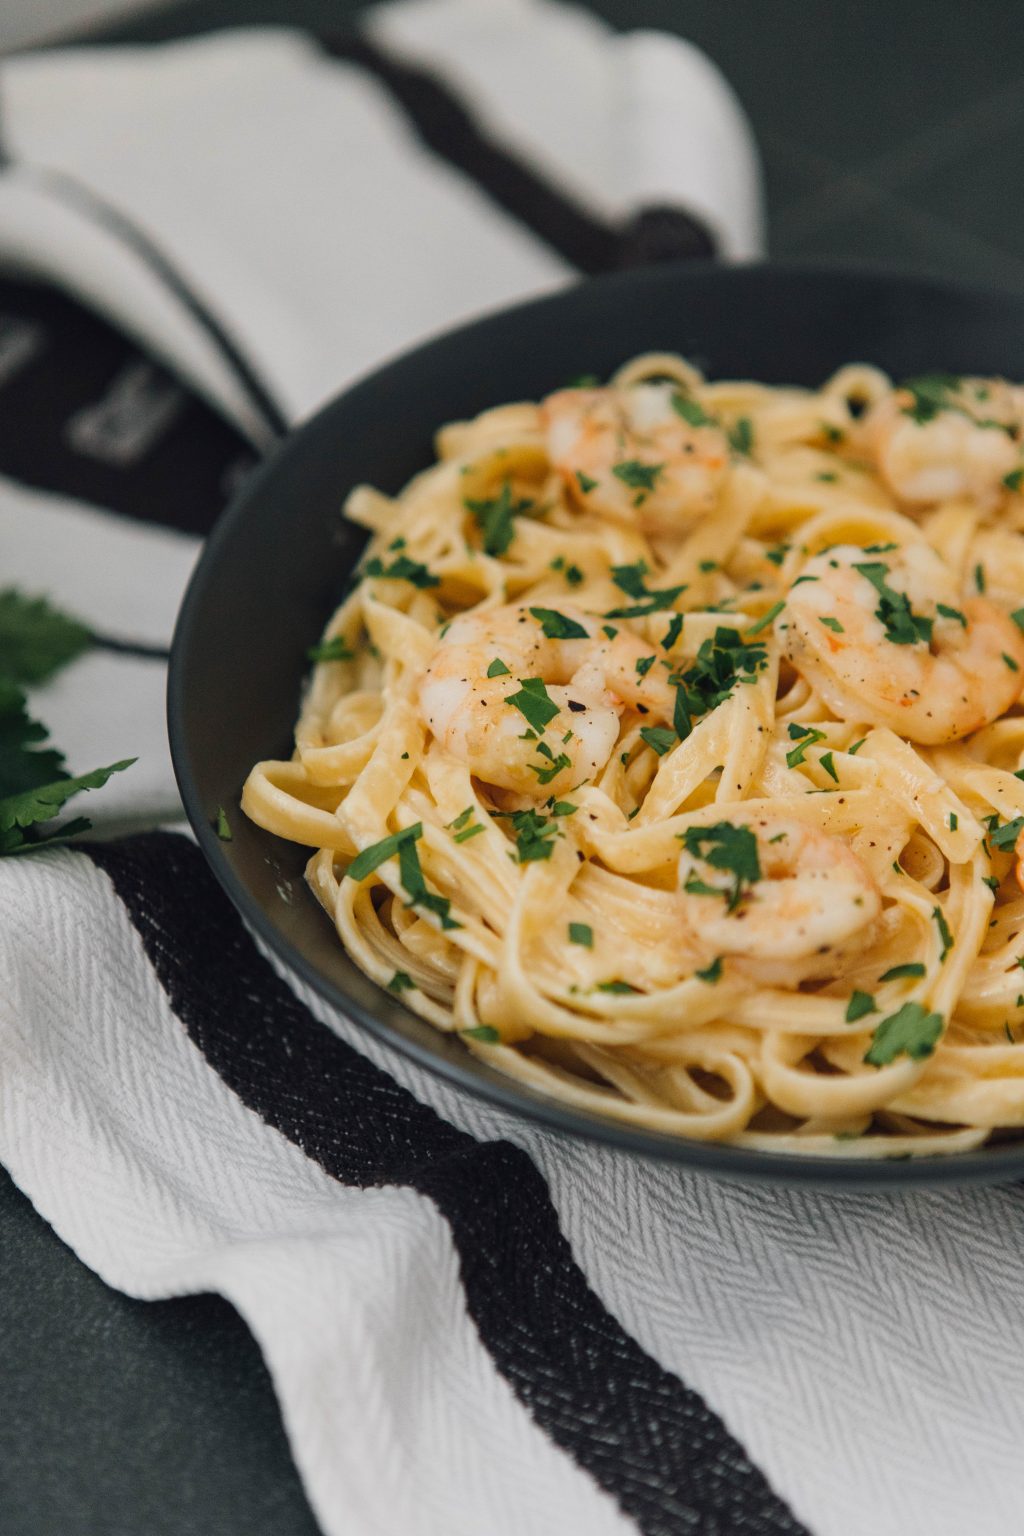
[
  {"x": 902, "y": 625},
  {"x": 36, "y": 639},
  {"x": 726, "y": 847}
]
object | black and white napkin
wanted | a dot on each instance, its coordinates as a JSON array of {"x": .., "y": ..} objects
[{"x": 474, "y": 1328}]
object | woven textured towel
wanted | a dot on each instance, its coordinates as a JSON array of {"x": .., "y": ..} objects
[{"x": 474, "y": 1328}]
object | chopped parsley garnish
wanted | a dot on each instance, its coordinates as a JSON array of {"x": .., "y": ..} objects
[
  {"x": 879, "y": 549},
  {"x": 1006, "y": 836},
  {"x": 558, "y": 626},
  {"x": 913, "y": 1032},
  {"x": 533, "y": 703},
  {"x": 644, "y": 665},
  {"x": 573, "y": 575},
  {"x": 852, "y": 751},
  {"x": 778, "y": 554},
  {"x": 495, "y": 519},
  {"x": 658, "y": 737},
  {"x": 827, "y": 474},
  {"x": 675, "y": 629},
  {"x": 498, "y": 668},
  {"x": 723, "y": 661},
  {"x": 807, "y": 736},
  {"x": 223, "y": 826},
  {"x": 638, "y": 476},
  {"x": 691, "y": 411},
  {"x": 767, "y": 618},
  {"x": 554, "y": 764},
  {"x": 931, "y": 395},
  {"x": 830, "y": 433},
  {"x": 945, "y": 937},
  {"x": 335, "y": 649},
  {"x": 832, "y": 624},
  {"x": 707, "y": 566},
  {"x": 581, "y": 933},
  {"x": 1013, "y": 665},
  {"x": 630, "y": 579},
  {"x": 991, "y": 881},
  {"x": 376, "y": 854},
  {"x": 895, "y": 972},
  {"x": 711, "y": 973},
  {"x": 726, "y": 847},
  {"x": 534, "y": 834},
  {"x": 741, "y": 435},
  {"x": 951, "y": 613},
  {"x": 416, "y": 887},
  {"x": 621, "y": 988},
  {"x": 829, "y": 766},
  {"x": 584, "y": 482},
  {"x": 979, "y": 577},
  {"x": 486, "y": 1033},
  {"x": 1018, "y": 618},
  {"x": 562, "y": 807},
  {"x": 902, "y": 625},
  {"x": 1012, "y": 481},
  {"x": 468, "y": 832},
  {"x": 954, "y": 821},
  {"x": 402, "y": 569},
  {"x": 860, "y": 1004},
  {"x": 401, "y": 981}
]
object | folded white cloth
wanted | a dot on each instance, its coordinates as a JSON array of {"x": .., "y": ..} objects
[{"x": 474, "y": 1327}]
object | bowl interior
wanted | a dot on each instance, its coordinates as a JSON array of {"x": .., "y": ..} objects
[{"x": 274, "y": 567}]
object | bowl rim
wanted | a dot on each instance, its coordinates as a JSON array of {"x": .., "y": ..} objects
[{"x": 725, "y": 1160}]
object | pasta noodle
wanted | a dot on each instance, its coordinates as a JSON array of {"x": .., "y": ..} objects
[{"x": 668, "y": 747}]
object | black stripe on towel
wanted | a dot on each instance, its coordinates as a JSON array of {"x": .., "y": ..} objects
[
  {"x": 646, "y": 1438},
  {"x": 447, "y": 128},
  {"x": 85, "y": 414}
]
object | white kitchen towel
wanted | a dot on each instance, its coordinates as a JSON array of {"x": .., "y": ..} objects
[{"x": 474, "y": 1327}]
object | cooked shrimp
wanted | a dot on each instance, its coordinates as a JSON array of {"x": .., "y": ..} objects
[
  {"x": 774, "y": 892},
  {"x": 643, "y": 454},
  {"x": 882, "y": 637},
  {"x": 956, "y": 438},
  {"x": 589, "y": 676}
]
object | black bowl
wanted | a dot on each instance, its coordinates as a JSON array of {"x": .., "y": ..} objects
[{"x": 276, "y": 563}]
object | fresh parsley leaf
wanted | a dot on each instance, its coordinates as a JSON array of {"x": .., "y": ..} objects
[
  {"x": 895, "y": 972},
  {"x": 807, "y": 736},
  {"x": 486, "y": 1033},
  {"x": 23, "y": 765},
  {"x": 945, "y": 937},
  {"x": 620, "y": 988},
  {"x": 691, "y": 411},
  {"x": 498, "y": 668},
  {"x": 723, "y": 661},
  {"x": 832, "y": 624},
  {"x": 741, "y": 436},
  {"x": 535, "y": 836},
  {"x": 584, "y": 482},
  {"x": 335, "y": 649},
  {"x": 558, "y": 626},
  {"x": 415, "y": 886},
  {"x": 767, "y": 618},
  {"x": 1018, "y": 618},
  {"x": 913, "y": 1032},
  {"x": 979, "y": 577},
  {"x": 43, "y": 801},
  {"x": 931, "y": 395},
  {"x": 1012, "y": 481},
  {"x": 902, "y": 625},
  {"x": 726, "y": 847},
  {"x": 36, "y": 639},
  {"x": 555, "y": 765},
  {"x": 644, "y": 665},
  {"x": 778, "y": 554},
  {"x": 860, "y": 1003},
  {"x": 533, "y": 703},
  {"x": 402, "y": 569},
  {"x": 376, "y": 854},
  {"x": 468, "y": 832},
  {"x": 1006, "y": 836},
  {"x": 630, "y": 579},
  {"x": 460, "y": 820},
  {"x": 581, "y": 933},
  {"x": 637, "y": 475},
  {"x": 401, "y": 981},
  {"x": 223, "y": 826},
  {"x": 829, "y": 766},
  {"x": 675, "y": 629},
  {"x": 659, "y": 738},
  {"x": 495, "y": 519},
  {"x": 951, "y": 613},
  {"x": 711, "y": 973}
]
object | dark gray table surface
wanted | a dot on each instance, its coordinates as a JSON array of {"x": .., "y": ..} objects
[{"x": 888, "y": 132}]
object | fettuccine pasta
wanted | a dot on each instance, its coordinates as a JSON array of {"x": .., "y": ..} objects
[{"x": 667, "y": 746}]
